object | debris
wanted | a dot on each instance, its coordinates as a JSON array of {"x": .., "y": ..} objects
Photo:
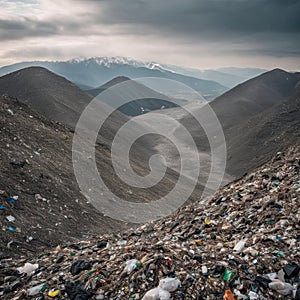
[
  {"x": 79, "y": 266},
  {"x": 248, "y": 250},
  {"x": 240, "y": 246},
  {"x": 169, "y": 284},
  {"x": 28, "y": 268},
  {"x": 76, "y": 291},
  {"x": 36, "y": 289},
  {"x": 10, "y": 218},
  {"x": 11, "y": 229},
  {"x": 131, "y": 265},
  {"x": 10, "y": 112},
  {"x": 157, "y": 294},
  {"x": 281, "y": 287},
  {"x": 291, "y": 270},
  {"x": 53, "y": 293}
]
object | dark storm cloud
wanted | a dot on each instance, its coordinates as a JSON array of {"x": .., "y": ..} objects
[
  {"x": 25, "y": 27},
  {"x": 191, "y": 20},
  {"x": 196, "y": 21},
  {"x": 194, "y": 16}
]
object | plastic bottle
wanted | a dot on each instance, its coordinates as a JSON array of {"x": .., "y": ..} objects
[
  {"x": 131, "y": 265},
  {"x": 204, "y": 270},
  {"x": 36, "y": 289},
  {"x": 240, "y": 246},
  {"x": 228, "y": 275}
]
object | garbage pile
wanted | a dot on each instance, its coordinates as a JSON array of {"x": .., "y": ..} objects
[{"x": 242, "y": 244}]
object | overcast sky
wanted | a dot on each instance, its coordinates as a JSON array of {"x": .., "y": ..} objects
[{"x": 195, "y": 33}]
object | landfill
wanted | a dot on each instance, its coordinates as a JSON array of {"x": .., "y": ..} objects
[{"x": 241, "y": 244}]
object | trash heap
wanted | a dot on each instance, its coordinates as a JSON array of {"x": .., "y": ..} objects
[{"x": 242, "y": 244}]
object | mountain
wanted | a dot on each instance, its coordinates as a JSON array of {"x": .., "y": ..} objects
[
  {"x": 148, "y": 99},
  {"x": 44, "y": 91},
  {"x": 62, "y": 101},
  {"x": 245, "y": 73},
  {"x": 268, "y": 132},
  {"x": 228, "y": 77},
  {"x": 54, "y": 96},
  {"x": 44, "y": 95},
  {"x": 255, "y": 96},
  {"x": 248, "y": 114},
  {"x": 97, "y": 71}
]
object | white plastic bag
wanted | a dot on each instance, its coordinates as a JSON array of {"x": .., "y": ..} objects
[
  {"x": 169, "y": 284},
  {"x": 28, "y": 268},
  {"x": 157, "y": 294}
]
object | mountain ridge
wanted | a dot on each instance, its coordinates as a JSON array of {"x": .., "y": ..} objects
[{"x": 97, "y": 71}]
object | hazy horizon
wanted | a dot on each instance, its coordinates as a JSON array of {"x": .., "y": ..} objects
[{"x": 78, "y": 58}]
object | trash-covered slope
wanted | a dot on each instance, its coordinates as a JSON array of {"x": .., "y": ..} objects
[{"x": 243, "y": 244}]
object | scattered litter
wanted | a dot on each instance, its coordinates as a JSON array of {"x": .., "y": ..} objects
[
  {"x": 10, "y": 218},
  {"x": 10, "y": 112},
  {"x": 11, "y": 229},
  {"x": 28, "y": 268}
]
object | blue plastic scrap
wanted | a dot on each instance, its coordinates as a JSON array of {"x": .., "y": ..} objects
[
  {"x": 10, "y": 228},
  {"x": 11, "y": 200}
]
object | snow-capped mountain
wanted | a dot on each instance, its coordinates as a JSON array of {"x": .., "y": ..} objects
[
  {"x": 92, "y": 72},
  {"x": 228, "y": 77},
  {"x": 111, "y": 61},
  {"x": 108, "y": 61}
]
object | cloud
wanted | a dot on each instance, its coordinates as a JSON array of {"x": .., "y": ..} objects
[
  {"x": 196, "y": 17},
  {"x": 169, "y": 31},
  {"x": 17, "y": 29}
]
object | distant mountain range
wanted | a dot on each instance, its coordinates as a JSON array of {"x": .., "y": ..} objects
[
  {"x": 228, "y": 77},
  {"x": 90, "y": 73}
]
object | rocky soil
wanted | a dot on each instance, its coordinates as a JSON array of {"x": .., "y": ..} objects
[{"x": 36, "y": 169}]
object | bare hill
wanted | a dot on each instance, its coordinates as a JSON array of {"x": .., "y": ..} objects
[
  {"x": 147, "y": 99},
  {"x": 259, "y": 117}
]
